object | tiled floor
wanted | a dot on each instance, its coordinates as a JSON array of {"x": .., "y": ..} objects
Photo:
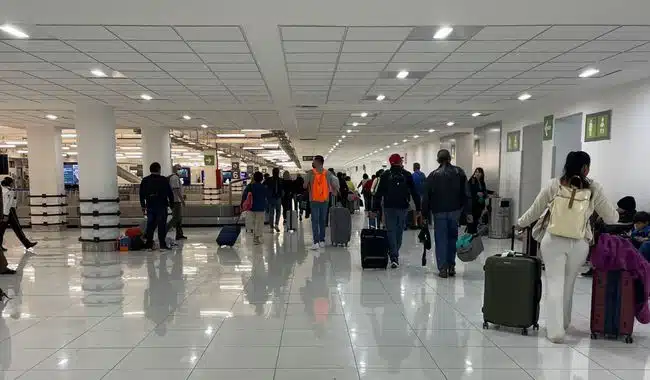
[{"x": 275, "y": 311}]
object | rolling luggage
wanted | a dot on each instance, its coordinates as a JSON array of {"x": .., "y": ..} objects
[
  {"x": 248, "y": 219},
  {"x": 513, "y": 290},
  {"x": 228, "y": 235},
  {"x": 612, "y": 305},
  {"x": 341, "y": 226},
  {"x": 374, "y": 247},
  {"x": 291, "y": 222}
]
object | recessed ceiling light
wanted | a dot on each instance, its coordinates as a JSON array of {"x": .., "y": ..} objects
[
  {"x": 381, "y": 97},
  {"x": 443, "y": 32},
  {"x": 476, "y": 114},
  {"x": 13, "y": 31},
  {"x": 340, "y": 140},
  {"x": 405, "y": 140},
  {"x": 51, "y": 117},
  {"x": 431, "y": 130},
  {"x": 381, "y": 149},
  {"x": 395, "y": 143},
  {"x": 349, "y": 131},
  {"x": 146, "y": 97},
  {"x": 387, "y": 146},
  {"x": 355, "y": 124},
  {"x": 524, "y": 96},
  {"x": 364, "y": 114},
  {"x": 187, "y": 117},
  {"x": 450, "y": 123},
  {"x": 204, "y": 126},
  {"x": 98, "y": 73},
  {"x": 343, "y": 136},
  {"x": 231, "y": 135},
  {"x": 402, "y": 74},
  {"x": 416, "y": 136},
  {"x": 588, "y": 72}
]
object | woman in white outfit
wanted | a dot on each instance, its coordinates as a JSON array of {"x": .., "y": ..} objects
[{"x": 563, "y": 257}]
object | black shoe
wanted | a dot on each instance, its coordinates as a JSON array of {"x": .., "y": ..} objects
[
  {"x": 589, "y": 273},
  {"x": 4, "y": 249},
  {"x": 394, "y": 264},
  {"x": 452, "y": 272},
  {"x": 31, "y": 245},
  {"x": 182, "y": 237},
  {"x": 8, "y": 271},
  {"x": 444, "y": 273}
]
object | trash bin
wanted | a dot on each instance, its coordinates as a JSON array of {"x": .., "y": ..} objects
[{"x": 501, "y": 218}]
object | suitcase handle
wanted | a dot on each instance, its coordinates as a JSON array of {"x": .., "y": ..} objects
[
  {"x": 376, "y": 227},
  {"x": 529, "y": 239}
]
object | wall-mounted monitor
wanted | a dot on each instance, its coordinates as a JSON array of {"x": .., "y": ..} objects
[{"x": 70, "y": 173}]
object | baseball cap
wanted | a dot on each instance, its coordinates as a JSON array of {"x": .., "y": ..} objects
[{"x": 395, "y": 159}]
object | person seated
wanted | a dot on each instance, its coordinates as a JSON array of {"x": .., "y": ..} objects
[
  {"x": 626, "y": 209},
  {"x": 641, "y": 233}
]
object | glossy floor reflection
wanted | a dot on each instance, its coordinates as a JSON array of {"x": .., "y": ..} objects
[{"x": 275, "y": 311}]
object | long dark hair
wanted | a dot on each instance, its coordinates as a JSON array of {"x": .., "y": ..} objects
[
  {"x": 474, "y": 179},
  {"x": 574, "y": 169}
]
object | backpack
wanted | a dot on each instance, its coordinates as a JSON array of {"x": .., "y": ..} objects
[
  {"x": 568, "y": 212},
  {"x": 398, "y": 185}
]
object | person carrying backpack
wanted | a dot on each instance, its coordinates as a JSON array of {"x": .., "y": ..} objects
[
  {"x": 395, "y": 188},
  {"x": 562, "y": 211},
  {"x": 275, "y": 192}
]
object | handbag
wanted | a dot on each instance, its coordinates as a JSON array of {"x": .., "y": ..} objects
[
  {"x": 469, "y": 247},
  {"x": 248, "y": 203}
]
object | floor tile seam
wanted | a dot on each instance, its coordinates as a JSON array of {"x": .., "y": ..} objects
[
  {"x": 127, "y": 354},
  {"x": 284, "y": 323},
  {"x": 354, "y": 355}
]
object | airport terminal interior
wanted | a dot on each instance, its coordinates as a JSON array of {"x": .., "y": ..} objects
[{"x": 93, "y": 92}]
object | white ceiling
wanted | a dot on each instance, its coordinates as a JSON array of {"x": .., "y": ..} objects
[{"x": 249, "y": 65}]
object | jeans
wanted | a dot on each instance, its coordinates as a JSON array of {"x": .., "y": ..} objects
[
  {"x": 445, "y": 231},
  {"x": 318, "y": 218},
  {"x": 275, "y": 208},
  {"x": 395, "y": 224},
  {"x": 156, "y": 218},
  {"x": 563, "y": 259}
]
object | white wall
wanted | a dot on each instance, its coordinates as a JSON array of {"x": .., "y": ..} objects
[
  {"x": 489, "y": 156},
  {"x": 617, "y": 163}
]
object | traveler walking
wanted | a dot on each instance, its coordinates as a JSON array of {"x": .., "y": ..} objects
[
  {"x": 274, "y": 192},
  {"x": 320, "y": 183},
  {"x": 564, "y": 234},
  {"x": 155, "y": 196},
  {"x": 446, "y": 197},
  {"x": 288, "y": 193},
  {"x": 257, "y": 208},
  {"x": 366, "y": 186},
  {"x": 301, "y": 194},
  {"x": 176, "y": 222},
  {"x": 418, "y": 179},
  {"x": 396, "y": 187},
  {"x": 10, "y": 217}
]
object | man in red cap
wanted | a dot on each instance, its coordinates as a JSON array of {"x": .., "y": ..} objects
[{"x": 396, "y": 187}]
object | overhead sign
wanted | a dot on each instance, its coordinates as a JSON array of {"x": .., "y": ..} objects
[
  {"x": 308, "y": 158},
  {"x": 549, "y": 124},
  {"x": 598, "y": 126},
  {"x": 208, "y": 159},
  {"x": 235, "y": 170},
  {"x": 514, "y": 141}
]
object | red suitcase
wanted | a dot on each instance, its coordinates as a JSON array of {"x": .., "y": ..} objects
[{"x": 612, "y": 305}]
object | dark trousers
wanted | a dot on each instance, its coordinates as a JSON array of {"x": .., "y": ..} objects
[
  {"x": 177, "y": 219},
  {"x": 156, "y": 218},
  {"x": 12, "y": 220}
]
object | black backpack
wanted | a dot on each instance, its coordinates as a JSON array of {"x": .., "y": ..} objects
[{"x": 398, "y": 185}]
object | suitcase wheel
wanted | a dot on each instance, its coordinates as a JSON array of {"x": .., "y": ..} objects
[
  {"x": 629, "y": 339},
  {"x": 535, "y": 327},
  {"x": 486, "y": 325},
  {"x": 524, "y": 331},
  {"x": 594, "y": 336}
]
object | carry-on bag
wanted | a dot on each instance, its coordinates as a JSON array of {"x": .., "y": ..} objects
[
  {"x": 229, "y": 234},
  {"x": 469, "y": 247},
  {"x": 612, "y": 305},
  {"x": 512, "y": 290},
  {"x": 248, "y": 220},
  {"x": 374, "y": 247},
  {"x": 291, "y": 222},
  {"x": 341, "y": 226}
]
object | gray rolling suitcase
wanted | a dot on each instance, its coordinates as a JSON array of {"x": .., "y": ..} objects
[
  {"x": 513, "y": 290},
  {"x": 341, "y": 226}
]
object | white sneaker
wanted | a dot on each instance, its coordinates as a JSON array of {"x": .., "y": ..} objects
[
  {"x": 321, "y": 244},
  {"x": 315, "y": 247}
]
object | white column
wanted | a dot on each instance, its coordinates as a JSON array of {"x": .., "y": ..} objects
[
  {"x": 98, "y": 197},
  {"x": 156, "y": 147},
  {"x": 211, "y": 195},
  {"x": 48, "y": 210}
]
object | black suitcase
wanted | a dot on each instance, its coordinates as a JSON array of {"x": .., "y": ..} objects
[
  {"x": 374, "y": 248},
  {"x": 228, "y": 235},
  {"x": 513, "y": 290}
]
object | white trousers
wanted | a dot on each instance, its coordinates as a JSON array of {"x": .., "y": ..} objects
[{"x": 563, "y": 258}]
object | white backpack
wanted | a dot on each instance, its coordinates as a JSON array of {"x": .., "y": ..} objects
[{"x": 568, "y": 212}]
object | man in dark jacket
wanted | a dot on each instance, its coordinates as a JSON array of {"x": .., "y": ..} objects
[
  {"x": 447, "y": 197},
  {"x": 155, "y": 196},
  {"x": 274, "y": 191},
  {"x": 395, "y": 189}
]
